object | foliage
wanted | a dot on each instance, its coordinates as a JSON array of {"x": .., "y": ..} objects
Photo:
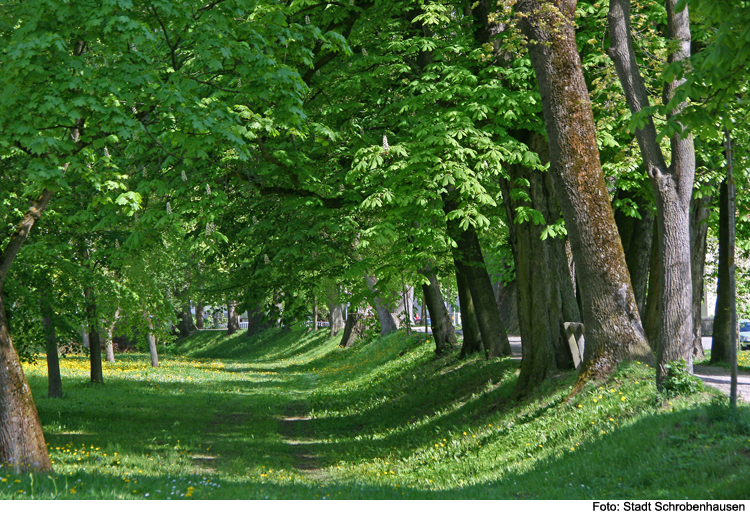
[{"x": 679, "y": 382}]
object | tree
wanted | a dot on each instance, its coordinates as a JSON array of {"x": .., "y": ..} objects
[
  {"x": 613, "y": 327},
  {"x": 672, "y": 184}
]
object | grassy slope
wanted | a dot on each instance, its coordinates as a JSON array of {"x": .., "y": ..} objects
[{"x": 219, "y": 419}]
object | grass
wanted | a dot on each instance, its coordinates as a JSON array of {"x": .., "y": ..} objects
[
  {"x": 289, "y": 415},
  {"x": 743, "y": 360}
]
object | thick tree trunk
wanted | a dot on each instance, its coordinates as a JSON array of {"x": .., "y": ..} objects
[
  {"x": 672, "y": 185},
  {"x": 354, "y": 328},
  {"x": 613, "y": 327},
  {"x": 233, "y": 320},
  {"x": 442, "y": 328},
  {"x": 152, "y": 343},
  {"x": 256, "y": 320},
  {"x": 472, "y": 335},
  {"x": 387, "y": 323},
  {"x": 467, "y": 256},
  {"x": 22, "y": 445},
  {"x": 545, "y": 289},
  {"x": 722, "y": 342},
  {"x": 637, "y": 235},
  {"x": 54, "y": 381},
  {"x": 186, "y": 326},
  {"x": 653, "y": 297},
  {"x": 506, "y": 298},
  {"x": 699, "y": 211},
  {"x": 200, "y": 316}
]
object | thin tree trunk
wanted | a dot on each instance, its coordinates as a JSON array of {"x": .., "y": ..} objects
[
  {"x": 672, "y": 185},
  {"x": 152, "y": 343},
  {"x": 109, "y": 344},
  {"x": 22, "y": 445},
  {"x": 467, "y": 256},
  {"x": 699, "y": 212},
  {"x": 233, "y": 321},
  {"x": 613, "y": 326},
  {"x": 314, "y": 313},
  {"x": 442, "y": 328},
  {"x": 54, "y": 381},
  {"x": 472, "y": 336}
]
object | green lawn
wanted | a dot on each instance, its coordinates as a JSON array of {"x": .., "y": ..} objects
[{"x": 291, "y": 415}]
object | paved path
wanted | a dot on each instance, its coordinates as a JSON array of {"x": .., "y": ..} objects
[{"x": 719, "y": 378}]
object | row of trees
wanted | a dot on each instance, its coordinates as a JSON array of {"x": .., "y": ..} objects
[{"x": 289, "y": 158}]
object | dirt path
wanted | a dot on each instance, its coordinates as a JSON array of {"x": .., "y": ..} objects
[
  {"x": 296, "y": 431},
  {"x": 719, "y": 378}
]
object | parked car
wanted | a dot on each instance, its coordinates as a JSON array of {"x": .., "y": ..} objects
[{"x": 745, "y": 334}]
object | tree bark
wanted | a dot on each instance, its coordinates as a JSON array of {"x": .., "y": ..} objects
[
  {"x": 22, "y": 445},
  {"x": 387, "y": 323},
  {"x": 442, "y": 328},
  {"x": 233, "y": 320},
  {"x": 54, "y": 381},
  {"x": 109, "y": 343},
  {"x": 613, "y": 327},
  {"x": 354, "y": 328},
  {"x": 95, "y": 343},
  {"x": 472, "y": 335},
  {"x": 506, "y": 298},
  {"x": 699, "y": 211},
  {"x": 546, "y": 299},
  {"x": 467, "y": 256},
  {"x": 672, "y": 185},
  {"x": 256, "y": 320},
  {"x": 636, "y": 235},
  {"x": 152, "y": 343},
  {"x": 200, "y": 315},
  {"x": 314, "y": 313},
  {"x": 722, "y": 342}
]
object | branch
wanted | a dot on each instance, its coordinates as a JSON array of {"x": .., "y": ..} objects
[{"x": 21, "y": 234}]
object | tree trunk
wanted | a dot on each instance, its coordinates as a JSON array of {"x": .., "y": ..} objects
[
  {"x": 22, "y": 445},
  {"x": 442, "y": 327},
  {"x": 109, "y": 344},
  {"x": 354, "y": 328},
  {"x": 256, "y": 320},
  {"x": 699, "y": 212},
  {"x": 54, "y": 381},
  {"x": 186, "y": 325},
  {"x": 546, "y": 299},
  {"x": 472, "y": 335},
  {"x": 637, "y": 235},
  {"x": 506, "y": 298},
  {"x": 200, "y": 316},
  {"x": 152, "y": 343},
  {"x": 722, "y": 342},
  {"x": 314, "y": 313},
  {"x": 610, "y": 314},
  {"x": 387, "y": 323},
  {"x": 467, "y": 256},
  {"x": 233, "y": 320},
  {"x": 95, "y": 343},
  {"x": 672, "y": 185}
]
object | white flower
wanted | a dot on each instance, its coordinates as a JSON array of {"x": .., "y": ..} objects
[
  {"x": 208, "y": 189},
  {"x": 307, "y": 19},
  {"x": 364, "y": 52},
  {"x": 385, "y": 143},
  {"x": 169, "y": 208},
  {"x": 266, "y": 259},
  {"x": 145, "y": 172},
  {"x": 106, "y": 151},
  {"x": 184, "y": 176}
]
